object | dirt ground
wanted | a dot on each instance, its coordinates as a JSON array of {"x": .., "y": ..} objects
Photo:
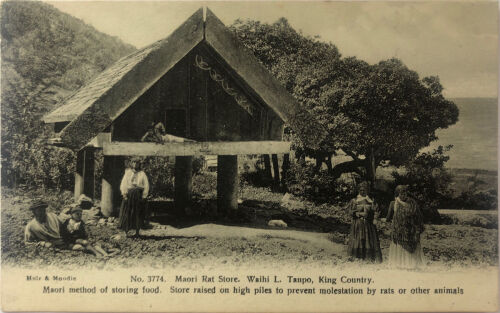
[{"x": 315, "y": 234}]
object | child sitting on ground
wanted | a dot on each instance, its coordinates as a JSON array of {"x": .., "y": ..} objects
[{"x": 74, "y": 234}]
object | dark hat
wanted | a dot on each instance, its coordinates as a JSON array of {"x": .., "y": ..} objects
[
  {"x": 38, "y": 204},
  {"x": 75, "y": 209}
]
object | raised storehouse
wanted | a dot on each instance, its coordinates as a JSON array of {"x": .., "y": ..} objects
[{"x": 199, "y": 90}]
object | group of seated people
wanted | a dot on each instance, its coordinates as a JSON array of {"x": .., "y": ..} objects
[{"x": 48, "y": 230}]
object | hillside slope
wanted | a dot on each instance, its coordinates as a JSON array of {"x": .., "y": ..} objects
[{"x": 46, "y": 56}]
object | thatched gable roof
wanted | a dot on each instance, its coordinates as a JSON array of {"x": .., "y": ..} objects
[
  {"x": 98, "y": 104},
  {"x": 84, "y": 97}
]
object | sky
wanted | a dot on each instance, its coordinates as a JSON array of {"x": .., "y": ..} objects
[{"x": 457, "y": 41}]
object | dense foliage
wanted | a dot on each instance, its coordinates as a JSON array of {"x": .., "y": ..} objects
[
  {"x": 428, "y": 180},
  {"x": 474, "y": 196},
  {"x": 374, "y": 113},
  {"x": 304, "y": 181},
  {"x": 46, "y": 55}
]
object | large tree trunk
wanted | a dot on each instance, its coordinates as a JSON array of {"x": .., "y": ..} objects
[
  {"x": 300, "y": 156},
  {"x": 319, "y": 163},
  {"x": 371, "y": 167},
  {"x": 285, "y": 167},
  {"x": 329, "y": 164},
  {"x": 276, "y": 168}
]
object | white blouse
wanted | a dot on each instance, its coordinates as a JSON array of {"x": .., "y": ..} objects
[{"x": 133, "y": 179}]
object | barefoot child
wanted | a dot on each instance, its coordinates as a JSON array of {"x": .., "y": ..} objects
[{"x": 73, "y": 233}]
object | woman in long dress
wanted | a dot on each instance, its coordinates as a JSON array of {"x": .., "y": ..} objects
[
  {"x": 134, "y": 188},
  {"x": 363, "y": 239},
  {"x": 405, "y": 250}
]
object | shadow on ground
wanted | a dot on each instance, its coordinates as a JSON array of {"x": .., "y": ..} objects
[{"x": 250, "y": 213}]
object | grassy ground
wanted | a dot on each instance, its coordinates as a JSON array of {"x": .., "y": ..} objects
[{"x": 315, "y": 234}]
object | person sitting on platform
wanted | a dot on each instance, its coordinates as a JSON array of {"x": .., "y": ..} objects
[
  {"x": 153, "y": 134},
  {"x": 156, "y": 133},
  {"x": 134, "y": 189},
  {"x": 44, "y": 228}
]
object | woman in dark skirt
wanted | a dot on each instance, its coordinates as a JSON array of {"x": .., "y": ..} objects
[
  {"x": 363, "y": 239},
  {"x": 134, "y": 188}
]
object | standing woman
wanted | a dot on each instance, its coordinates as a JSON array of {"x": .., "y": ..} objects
[
  {"x": 405, "y": 250},
  {"x": 363, "y": 239},
  {"x": 134, "y": 188}
]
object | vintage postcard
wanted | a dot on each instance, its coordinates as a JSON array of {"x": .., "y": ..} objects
[{"x": 161, "y": 156}]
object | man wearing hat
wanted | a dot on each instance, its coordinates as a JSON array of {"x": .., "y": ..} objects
[{"x": 44, "y": 228}]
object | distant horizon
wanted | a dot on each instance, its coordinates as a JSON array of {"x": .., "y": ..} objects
[
  {"x": 471, "y": 97},
  {"x": 474, "y": 137}
]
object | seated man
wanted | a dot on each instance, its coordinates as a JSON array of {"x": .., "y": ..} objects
[
  {"x": 44, "y": 228},
  {"x": 153, "y": 134}
]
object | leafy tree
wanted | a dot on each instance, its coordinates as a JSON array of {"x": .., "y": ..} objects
[
  {"x": 376, "y": 114},
  {"x": 394, "y": 113}
]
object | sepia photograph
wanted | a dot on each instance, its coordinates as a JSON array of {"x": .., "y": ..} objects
[{"x": 249, "y": 156}]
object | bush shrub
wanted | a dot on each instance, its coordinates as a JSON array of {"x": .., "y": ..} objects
[
  {"x": 256, "y": 178},
  {"x": 320, "y": 187},
  {"x": 253, "y": 172},
  {"x": 478, "y": 200},
  {"x": 37, "y": 164},
  {"x": 160, "y": 172},
  {"x": 205, "y": 185},
  {"x": 198, "y": 164},
  {"x": 489, "y": 221},
  {"x": 428, "y": 181}
]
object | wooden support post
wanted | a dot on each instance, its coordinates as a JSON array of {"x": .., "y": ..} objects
[
  {"x": 88, "y": 173},
  {"x": 285, "y": 168},
  {"x": 227, "y": 183},
  {"x": 118, "y": 172},
  {"x": 80, "y": 158},
  {"x": 183, "y": 183},
  {"x": 107, "y": 186},
  {"x": 84, "y": 174},
  {"x": 112, "y": 173},
  {"x": 267, "y": 169},
  {"x": 276, "y": 168}
]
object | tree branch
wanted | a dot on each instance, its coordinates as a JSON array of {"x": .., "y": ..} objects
[{"x": 347, "y": 167}]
